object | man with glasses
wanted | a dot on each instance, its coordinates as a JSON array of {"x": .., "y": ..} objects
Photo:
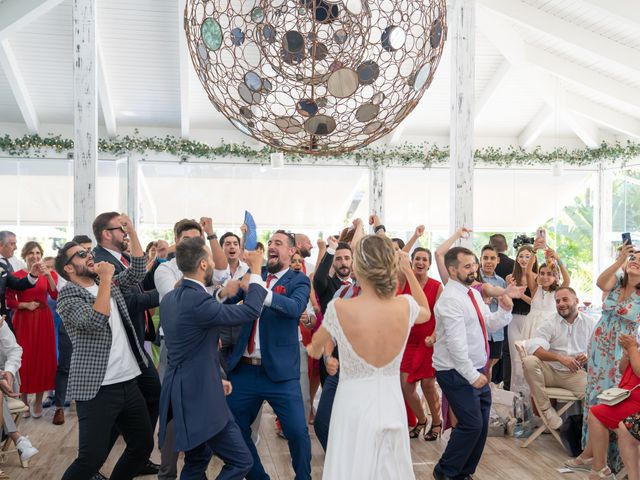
[
  {"x": 107, "y": 358},
  {"x": 113, "y": 243}
]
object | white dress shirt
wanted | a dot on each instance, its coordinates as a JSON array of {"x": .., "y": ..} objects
[
  {"x": 266, "y": 303},
  {"x": 10, "y": 351},
  {"x": 559, "y": 336},
  {"x": 116, "y": 254},
  {"x": 166, "y": 276},
  {"x": 221, "y": 277},
  {"x": 460, "y": 343},
  {"x": 122, "y": 364}
]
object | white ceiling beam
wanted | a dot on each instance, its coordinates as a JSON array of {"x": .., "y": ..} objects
[
  {"x": 603, "y": 115},
  {"x": 586, "y": 77},
  {"x": 584, "y": 128},
  {"x": 492, "y": 87},
  {"x": 185, "y": 70},
  {"x": 18, "y": 86},
  {"x": 104, "y": 93},
  {"x": 510, "y": 44},
  {"x": 532, "y": 132},
  {"x": 586, "y": 40},
  {"x": 15, "y": 14},
  {"x": 626, "y": 10}
]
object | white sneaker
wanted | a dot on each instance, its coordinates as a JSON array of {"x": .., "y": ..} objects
[
  {"x": 26, "y": 450},
  {"x": 553, "y": 418}
]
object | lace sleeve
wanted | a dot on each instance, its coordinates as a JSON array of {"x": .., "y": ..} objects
[
  {"x": 414, "y": 309},
  {"x": 330, "y": 320}
]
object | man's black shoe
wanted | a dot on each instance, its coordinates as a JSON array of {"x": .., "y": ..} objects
[
  {"x": 99, "y": 476},
  {"x": 440, "y": 476},
  {"x": 149, "y": 468}
]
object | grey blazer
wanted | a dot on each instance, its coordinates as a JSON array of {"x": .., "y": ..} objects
[{"x": 90, "y": 333}]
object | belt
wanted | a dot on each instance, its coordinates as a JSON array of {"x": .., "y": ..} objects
[{"x": 251, "y": 361}]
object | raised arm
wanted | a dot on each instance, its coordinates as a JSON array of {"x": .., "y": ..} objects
[
  {"x": 530, "y": 275},
  {"x": 133, "y": 275},
  {"x": 416, "y": 290},
  {"x": 358, "y": 225},
  {"x": 414, "y": 238},
  {"x": 321, "y": 275},
  {"x": 219, "y": 258},
  {"x": 607, "y": 279},
  {"x": 444, "y": 248},
  {"x": 566, "y": 278}
]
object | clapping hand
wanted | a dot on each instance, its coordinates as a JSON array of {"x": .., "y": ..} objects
[{"x": 628, "y": 342}]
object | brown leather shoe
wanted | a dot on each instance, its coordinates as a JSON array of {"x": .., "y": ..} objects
[{"x": 58, "y": 417}]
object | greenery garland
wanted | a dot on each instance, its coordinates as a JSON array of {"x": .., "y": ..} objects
[{"x": 419, "y": 155}]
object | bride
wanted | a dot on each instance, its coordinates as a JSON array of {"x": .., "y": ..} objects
[{"x": 368, "y": 431}]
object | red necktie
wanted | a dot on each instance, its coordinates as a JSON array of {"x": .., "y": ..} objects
[
  {"x": 124, "y": 261},
  {"x": 252, "y": 337},
  {"x": 481, "y": 319}
]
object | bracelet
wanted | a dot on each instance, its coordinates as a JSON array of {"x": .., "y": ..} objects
[
  {"x": 380, "y": 227},
  {"x": 33, "y": 276},
  {"x": 213, "y": 236}
]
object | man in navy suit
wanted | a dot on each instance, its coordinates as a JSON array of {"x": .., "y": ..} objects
[
  {"x": 192, "y": 392},
  {"x": 265, "y": 363}
]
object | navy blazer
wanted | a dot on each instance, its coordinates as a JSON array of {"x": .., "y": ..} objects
[
  {"x": 279, "y": 344},
  {"x": 192, "y": 393}
]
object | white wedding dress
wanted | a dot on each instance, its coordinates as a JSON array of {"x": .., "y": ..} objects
[{"x": 368, "y": 436}]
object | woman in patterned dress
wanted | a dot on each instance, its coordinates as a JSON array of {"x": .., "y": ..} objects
[{"x": 620, "y": 315}]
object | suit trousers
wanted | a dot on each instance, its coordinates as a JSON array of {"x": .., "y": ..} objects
[
  {"x": 120, "y": 405},
  {"x": 323, "y": 415},
  {"x": 251, "y": 387},
  {"x": 229, "y": 446},
  {"x": 65, "y": 349},
  {"x": 472, "y": 407}
]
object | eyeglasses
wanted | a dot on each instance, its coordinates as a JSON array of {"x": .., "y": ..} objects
[
  {"x": 80, "y": 254},
  {"x": 121, "y": 227}
]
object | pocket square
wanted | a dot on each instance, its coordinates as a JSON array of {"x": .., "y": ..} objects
[{"x": 279, "y": 289}]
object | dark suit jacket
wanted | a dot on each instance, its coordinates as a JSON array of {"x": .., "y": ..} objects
[
  {"x": 279, "y": 346},
  {"x": 324, "y": 285},
  {"x": 8, "y": 280},
  {"x": 192, "y": 392},
  {"x": 505, "y": 267},
  {"x": 137, "y": 300}
]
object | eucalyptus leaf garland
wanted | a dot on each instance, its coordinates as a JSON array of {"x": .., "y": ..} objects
[{"x": 409, "y": 155}]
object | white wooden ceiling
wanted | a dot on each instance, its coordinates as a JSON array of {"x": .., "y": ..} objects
[{"x": 547, "y": 71}]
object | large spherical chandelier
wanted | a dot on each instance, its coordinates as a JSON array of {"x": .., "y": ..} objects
[{"x": 315, "y": 76}]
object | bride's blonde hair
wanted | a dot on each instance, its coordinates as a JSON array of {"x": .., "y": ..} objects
[{"x": 375, "y": 262}]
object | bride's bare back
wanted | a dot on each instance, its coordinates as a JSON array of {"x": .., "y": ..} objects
[{"x": 376, "y": 328}]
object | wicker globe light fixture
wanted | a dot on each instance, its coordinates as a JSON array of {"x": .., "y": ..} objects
[{"x": 315, "y": 76}]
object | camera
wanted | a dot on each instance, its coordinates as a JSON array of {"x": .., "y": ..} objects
[{"x": 521, "y": 240}]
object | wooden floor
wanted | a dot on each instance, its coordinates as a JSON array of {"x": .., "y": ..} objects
[{"x": 502, "y": 459}]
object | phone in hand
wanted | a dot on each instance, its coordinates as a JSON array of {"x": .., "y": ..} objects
[
  {"x": 626, "y": 238},
  {"x": 541, "y": 234}
]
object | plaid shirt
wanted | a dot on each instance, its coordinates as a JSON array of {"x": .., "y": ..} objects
[{"x": 90, "y": 333}]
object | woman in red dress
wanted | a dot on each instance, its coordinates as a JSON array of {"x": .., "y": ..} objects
[
  {"x": 35, "y": 333},
  {"x": 416, "y": 362}
]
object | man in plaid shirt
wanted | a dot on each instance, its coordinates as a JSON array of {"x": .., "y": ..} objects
[{"x": 106, "y": 358}]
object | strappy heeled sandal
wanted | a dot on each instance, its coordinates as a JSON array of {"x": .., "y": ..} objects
[
  {"x": 431, "y": 436},
  {"x": 418, "y": 429}
]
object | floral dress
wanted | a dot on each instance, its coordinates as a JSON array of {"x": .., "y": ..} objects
[{"x": 605, "y": 353}]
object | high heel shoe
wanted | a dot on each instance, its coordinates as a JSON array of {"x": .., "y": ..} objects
[
  {"x": 34, "y": 414},
  {"x": 417, "y": 430},
  {"x": 431, "y": 436}
]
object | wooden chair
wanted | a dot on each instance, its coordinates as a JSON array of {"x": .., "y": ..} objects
[
  {"x": 16, "y": 408},
  {"x": 554, "y": 393}
]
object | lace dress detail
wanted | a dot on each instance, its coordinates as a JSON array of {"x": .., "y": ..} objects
[
  {"x": 353, "y": 365},
  {"x": 368, "y": 436}
]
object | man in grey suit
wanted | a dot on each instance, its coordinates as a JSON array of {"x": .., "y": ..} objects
[{"x": 106, "y": 359}]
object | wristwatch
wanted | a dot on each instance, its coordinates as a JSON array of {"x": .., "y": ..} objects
[{"x": 213, "y": 236}]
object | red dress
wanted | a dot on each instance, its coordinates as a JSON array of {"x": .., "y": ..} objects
[
  {"x": 417, "y": 358},
  {"x": 611, "y": 416},
  {"x": 36, "y": 335}
]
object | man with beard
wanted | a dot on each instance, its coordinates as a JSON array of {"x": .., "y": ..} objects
[
  {"x": 338, "y": 256},
  {"x": 192, "y": 390},
  {"x": 265, "y": 363},
  {"x": 106, "y": 358},
  {"x": 113, "y": 243},
  {"x": 303, "y": 244},
  {"x": 459, "y": 358},
  {"x": 557, "y": 353}
]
